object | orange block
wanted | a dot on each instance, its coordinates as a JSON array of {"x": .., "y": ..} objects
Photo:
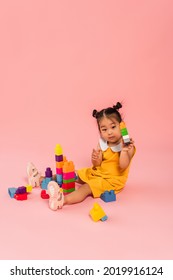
[
  {"x": 122, "y": 125},
  {"x": 59, "y": 164},
  {"x": 68, "y": 167}
]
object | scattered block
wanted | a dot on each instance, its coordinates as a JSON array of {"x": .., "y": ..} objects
[
  {"x": 108, "y": 196},
  {"x": 97, "y": 213}
]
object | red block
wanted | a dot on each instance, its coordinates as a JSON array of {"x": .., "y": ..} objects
[
  {"x": 68, "y": 186},
  {"x": 44, "y": 195},
  {"x": 21, "y": 196}
]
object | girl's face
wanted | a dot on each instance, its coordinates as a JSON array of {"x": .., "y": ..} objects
[{"x": 110, "y": 130}]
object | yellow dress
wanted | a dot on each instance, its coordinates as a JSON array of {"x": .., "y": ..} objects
[{"x": 107, "y": 176}]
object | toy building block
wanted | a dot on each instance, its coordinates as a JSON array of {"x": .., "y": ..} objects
[
  {"x": 21, "y": 190},
  {"x": 97, "y": 213},
  {"x": 108, "y": 196},
  {"x": 58, "y": 150},
  {"x": 67, "y": 191},
  {"x": 124, "y": 133},
  {"x": 12, "y": 192},
  {"x": 59, "y": 163},
  {"x": 104, "y": 218},
  {"x": 69, "y": 177},
  {"x": 47, "y": 179},
  {"x": 69, "y": 180},
  {"x": 69, "y": 174},
  {"x": 48, "y": 172},
  {"x": 44, "y": 183},
  {"x": 67, "y": 186},
  {"x": 44, "y": 195},
  {"x": 59, "y": 179},
  {"x": 68, "y": 167},
  {"x": 21, "y": 196},
  {"x": 58, "y": 158},
  {"x": 28, "y": 188}
]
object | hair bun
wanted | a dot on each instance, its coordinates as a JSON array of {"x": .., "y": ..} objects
[
  {"x": 94, "y": 114},
  {"x": 117, "y": 106}
]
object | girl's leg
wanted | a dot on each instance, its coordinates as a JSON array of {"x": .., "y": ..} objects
[{"x": 78, "y": 195}]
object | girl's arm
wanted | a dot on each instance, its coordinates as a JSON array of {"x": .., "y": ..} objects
[{"x": 126, "y": 155}]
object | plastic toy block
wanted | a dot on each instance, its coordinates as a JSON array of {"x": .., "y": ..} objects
[
  {"x": 21, "y": 190},
  {"x": 44, "y": 195},
  {"x": 59, "y": 164},
  {"x": 12, "y": 192},
  {"x": 59, "y": 158},
  {"x": 97, "y": 213},
  {"x": 45, "y": 182},
  {"x": 68, "y": 167},
  {"x": 126, "y": 139},
  {"x": 122, "y": 125},
  {"x": 69, "y": 180},
  {"x": 59, "y": 171},
  {"x": 124, "y": 133},
  {"x": 68, "y": 190},
  {"x": 28, "y": 188},
  {"x": 123, "y": 129},
  {"x": 58, "y": 150},
  {"x": 69, "y": 175},
  {"x": 48, "y": 172},
  {"x": 68, "y": 186},
  {"x": 21, "y": 196},
  {"x": 108, "y": 196},
  {"x": 104, "y": 218},
  {"x": 59, "y": 179}
]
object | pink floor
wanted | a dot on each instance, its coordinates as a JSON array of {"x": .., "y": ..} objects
[{"x": 139, "y": 225}]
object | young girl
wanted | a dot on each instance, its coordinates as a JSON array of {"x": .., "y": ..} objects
[{"x": 110, "y": 163}]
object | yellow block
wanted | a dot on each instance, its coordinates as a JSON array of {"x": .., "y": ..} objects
[
  {"x": 28, "y": 188},
  {"x": 97, "y": 212},
  {"x": 58, "y": 150}
]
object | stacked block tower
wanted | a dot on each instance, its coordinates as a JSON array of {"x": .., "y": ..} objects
[
  {"x": 59, "y": 163},
  {"x": 65, "y": 171},
  {"x": 69, "y": 177},
  {"x": 124, "y": 133},
  {"x": 48, "y": 178}
]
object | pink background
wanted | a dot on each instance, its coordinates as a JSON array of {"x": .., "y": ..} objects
[{"x": 59, "y": 60}]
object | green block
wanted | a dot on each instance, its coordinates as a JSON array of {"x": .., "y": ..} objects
[
  {"x": 69, "y": 190},
  {"x": 124, "y": 131},
  {"x": 69, "y": 180}
]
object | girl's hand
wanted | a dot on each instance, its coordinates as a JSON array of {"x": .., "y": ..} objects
[
  {"x": 128, "y": 147},
  {"x": 96, "y": 157}
]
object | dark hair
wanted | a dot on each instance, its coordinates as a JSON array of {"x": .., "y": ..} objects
[{"x": 108, "y": 112}]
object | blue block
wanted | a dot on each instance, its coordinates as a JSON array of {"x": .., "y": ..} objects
[
  {"x": 59, "y": 179},
  {"x": 104, "y": 218},
  {"x": 12, "y": 192},
  {"x": 45, "y": 182},
  {"x": 108, "y": 196}
]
